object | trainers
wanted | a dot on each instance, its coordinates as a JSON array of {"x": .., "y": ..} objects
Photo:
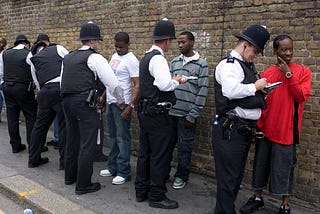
[
  {"x": 105, "y": 173},
  {"x": 178, "y": 183},
  {"x": 252, "y": 205},
  {"x": 284, "y": 209},
  {"x": 118, "y": 180}
]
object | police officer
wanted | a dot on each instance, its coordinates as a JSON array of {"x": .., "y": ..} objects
[
  {"x": 46, "y": 69},
  {"x": 156, "y": 96},
  {"x": 81, "y": 71},
  {"x": 239, "y": 100},
  {"x": 18, "y": 90}
]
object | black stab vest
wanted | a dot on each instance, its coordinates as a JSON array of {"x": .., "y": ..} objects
[
  {"x": 77, "y": 76},
  {"x": 47, "y": 64},
  {"x": 15, "y": 67},
  {"x": 146, "y": 89},
  {"x": 223, "y": 104}
]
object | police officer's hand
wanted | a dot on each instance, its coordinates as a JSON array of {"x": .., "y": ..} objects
[
  {"x": 188, "y": 125},
  {"x": 126, "y": 112},
  {"x": 180, "y": 79},
  {"x": 260, "y": 83}
]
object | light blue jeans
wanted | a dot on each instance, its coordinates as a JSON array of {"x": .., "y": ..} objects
[{"x": 119, "y": 140}]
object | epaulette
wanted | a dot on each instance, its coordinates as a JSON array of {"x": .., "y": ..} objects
[{"x": 230, "y": 59}]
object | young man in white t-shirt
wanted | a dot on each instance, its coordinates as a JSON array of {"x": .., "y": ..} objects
[{"x": 126, "y": 67}]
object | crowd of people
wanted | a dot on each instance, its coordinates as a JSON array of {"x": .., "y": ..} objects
[{"x": 72, "y": 88}]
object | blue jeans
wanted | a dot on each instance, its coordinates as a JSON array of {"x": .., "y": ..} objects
[
  {"x": 185, "y": 143},
  {"x": 119, "y": 140},
  {"x": 56, "y": 129},
  {"x": 1, "y": 103}
]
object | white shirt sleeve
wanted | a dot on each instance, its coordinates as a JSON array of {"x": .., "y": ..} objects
[
  {"x": 34, "y": 76},
  {"x": 230, "y": 76},
  {"x": 62, "y": 51},
  {"x": 133, "y": 66},
  {"x": 100, "y": 66},
  {"x": 159, "y": 69}
]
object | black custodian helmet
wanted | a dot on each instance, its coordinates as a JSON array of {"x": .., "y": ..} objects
[
  {"x": 89, "y": 31},
  {"x": 21, "y": 38},
  {"x": 164, "y": 29},
  {"x": 256, "y": 35}
]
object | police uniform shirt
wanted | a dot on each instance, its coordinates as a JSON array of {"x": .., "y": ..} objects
[
  {"x": 159, "y": 69},
  {"x": 18, "y": 47},
  {"x": 230, "y": 75},
  {"x": 61, "y": 52},
  {"x": 101, "y": 68}
]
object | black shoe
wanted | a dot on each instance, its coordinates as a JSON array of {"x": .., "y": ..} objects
[
  {"x": 20, "y": 148},
  {"x": 100, "y": 158},
  {"x": 52, "y": 143},
  {"x": 44, "y": 149},
  {"x": 141, "y": 199},
  {"x": 252, "y": 205},
  {"x": 284, "y": 209},
  {"x": 41, "y": 162},
  {"x": 69, "y": 182},
  {"x": 164, "y": 204},
  {"x": 92, "y": 188}
]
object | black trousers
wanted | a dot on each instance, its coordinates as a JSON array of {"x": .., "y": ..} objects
[
  {"x": 155, "y": 151},
  {"x": 18, "y": 99},
  {"x": 82, "y": 124},
  {"x": 230, "y": 159},
  {"x": 49, "y": 105}
]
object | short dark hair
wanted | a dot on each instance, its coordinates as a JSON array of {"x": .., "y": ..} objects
[
  {"x": 189, "y": 35},
  {"x": 278, "y": 39},
  {"x": 122, "y": 36}
]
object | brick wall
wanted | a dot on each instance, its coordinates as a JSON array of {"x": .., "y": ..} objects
[{"x": 213, "y": 22}]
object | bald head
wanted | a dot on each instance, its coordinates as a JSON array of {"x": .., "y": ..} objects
[{"x": 3, "y": 43}]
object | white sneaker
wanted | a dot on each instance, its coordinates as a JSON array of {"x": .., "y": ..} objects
[
  {"x": 105, "y": 173},
  {"x": 118, "y": 180}
]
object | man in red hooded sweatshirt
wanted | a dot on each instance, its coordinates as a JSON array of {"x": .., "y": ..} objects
[{"x": 280, "y": 122}]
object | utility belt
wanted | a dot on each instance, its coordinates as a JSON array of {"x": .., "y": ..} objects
[
  {"x": 91, "y": 96},
  {"x": 147, "y": 107},
  {"x": 244, "y": 127},
  {"x": 30, "y": 85}
]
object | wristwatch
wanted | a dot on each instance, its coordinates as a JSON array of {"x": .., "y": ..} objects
[
  {"x": 288, "y": 74},
  {"x": 132, "y": 106}
]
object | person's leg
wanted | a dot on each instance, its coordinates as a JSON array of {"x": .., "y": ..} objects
[
  {"x": 184, "y": 150},
  {"x": 112, "y": 139},
  {"x": 44, "y": 119},
  {"x": 230, "y": 159},
  {"x": 260, "y": 175},
  {"x": 282, "y": 173},
  {"x": 13, "y": 113},
  {"x": 56, "y": 129},
  {"x": 123, "y": 141},
  {"x": 1, "y": 104},
  {"x": 142, "y": 182},
  {"x": 72, "y": 142},
  {"x": 88, "y": 121}
]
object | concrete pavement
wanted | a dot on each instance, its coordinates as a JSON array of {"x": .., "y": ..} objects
[{"x": 42, "y": 189}]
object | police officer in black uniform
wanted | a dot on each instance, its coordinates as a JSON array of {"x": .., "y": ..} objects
[
  {"x": 156, "y": 98},
  {"x": 46, "y": 69},
  {"x": 81, "y": 71},
  {"x": 18, "y": 90},
  {"x": 239, "y": 99}
]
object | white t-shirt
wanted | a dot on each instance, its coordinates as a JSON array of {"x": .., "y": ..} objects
[{"x": 124, "y": 67}]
